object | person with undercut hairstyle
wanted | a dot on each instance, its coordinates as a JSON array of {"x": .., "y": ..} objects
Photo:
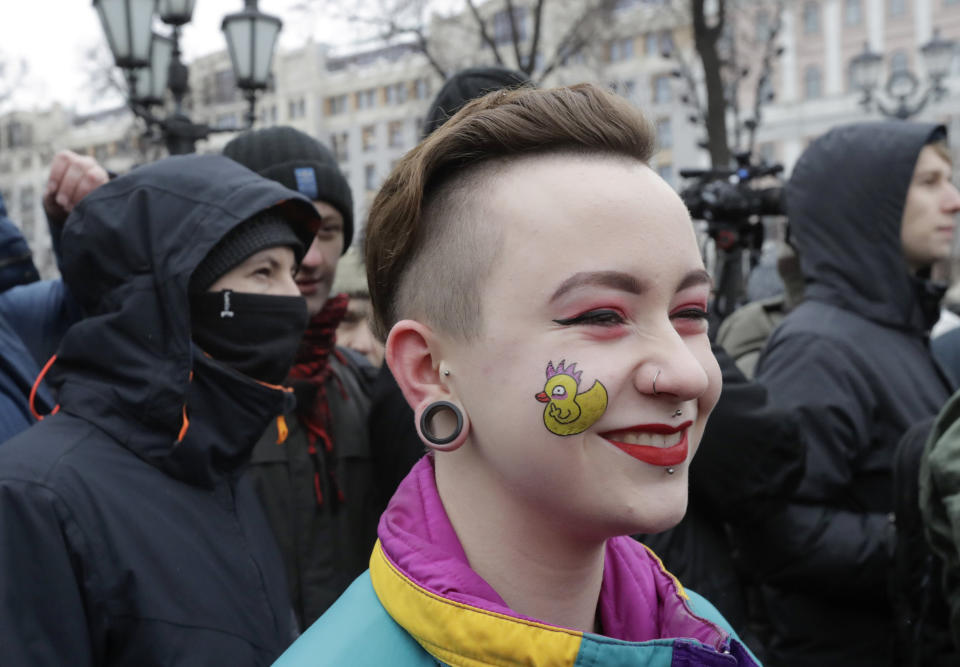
[{"x": 543, "y": 301}]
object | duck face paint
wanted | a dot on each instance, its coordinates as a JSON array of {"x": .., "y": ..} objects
[{"x": 568, "y": 411}]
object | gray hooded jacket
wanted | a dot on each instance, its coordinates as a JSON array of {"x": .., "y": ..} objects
[{"x": 853, "y": 363}]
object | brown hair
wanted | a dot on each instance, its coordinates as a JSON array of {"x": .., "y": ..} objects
[
  {"x": 941, "y": 148},
  {"x": 427, "y": 250}
]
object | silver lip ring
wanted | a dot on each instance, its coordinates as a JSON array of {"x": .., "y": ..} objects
[{"x": 655, "y": 377}]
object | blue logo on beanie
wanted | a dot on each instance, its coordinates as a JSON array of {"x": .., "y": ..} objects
[{"x": 306, "y": 182}]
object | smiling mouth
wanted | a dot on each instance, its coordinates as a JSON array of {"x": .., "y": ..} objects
[{"x": 656, "y": 444}]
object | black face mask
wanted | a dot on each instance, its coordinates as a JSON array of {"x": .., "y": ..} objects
[{"x": 257, "y": 334}]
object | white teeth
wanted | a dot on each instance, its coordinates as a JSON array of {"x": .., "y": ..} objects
[{"x": 647, "y": 439}]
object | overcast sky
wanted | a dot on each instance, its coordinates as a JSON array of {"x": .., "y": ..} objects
[{"x": 52, "y": 36}]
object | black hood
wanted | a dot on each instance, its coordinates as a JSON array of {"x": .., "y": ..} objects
[
  {"x": 130, "y": 367},
  {"x": 845, "y": 202}
]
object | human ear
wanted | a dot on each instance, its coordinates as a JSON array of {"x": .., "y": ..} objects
[
  {"x": 410, "y": 355},
  {"x": 413, "y": 357}
]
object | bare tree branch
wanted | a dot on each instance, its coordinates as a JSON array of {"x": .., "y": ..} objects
[
  {"x": 535, "y": 38},
  {"x": 525, "y": 67},
  {"x": 484, "y": 33},
  {"x": 581, "y": 31}
]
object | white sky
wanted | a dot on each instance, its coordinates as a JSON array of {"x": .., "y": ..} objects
[{"x": 52, "y": 36}]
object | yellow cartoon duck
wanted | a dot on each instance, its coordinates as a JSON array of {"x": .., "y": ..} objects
[{"x": 567, "y": 412}]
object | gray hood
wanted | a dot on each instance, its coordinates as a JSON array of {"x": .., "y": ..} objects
[{"x": 845, "y": 201}]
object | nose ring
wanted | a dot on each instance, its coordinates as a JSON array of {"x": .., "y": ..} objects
[{"x": 655, "y": 392}]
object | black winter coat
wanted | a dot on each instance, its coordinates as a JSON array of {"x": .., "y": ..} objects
[
  {"x": 852, "y": 362},
  {"x": 125, "y": 535}
]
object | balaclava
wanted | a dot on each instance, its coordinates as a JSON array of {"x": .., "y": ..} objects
[{"x": 256, "y": 334}]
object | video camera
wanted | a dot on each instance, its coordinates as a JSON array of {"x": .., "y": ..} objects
[{"x": 730, "y": 204}]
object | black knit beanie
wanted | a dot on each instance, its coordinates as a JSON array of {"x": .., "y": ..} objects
[
  {"x": 266, "y": 229},
  {"x": 466, "y": 85},
  {"x": 298, "y": 161}
]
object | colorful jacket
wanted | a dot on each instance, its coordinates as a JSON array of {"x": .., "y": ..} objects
[{"x": 420, "y": 603}]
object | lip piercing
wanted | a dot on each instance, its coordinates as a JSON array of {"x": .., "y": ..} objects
[
  {"x": 446, "y": 373},
  {"x": 670, "y": 471},
  {"x": 678, "y": 413},
  {"x": 655, "y": 392}
]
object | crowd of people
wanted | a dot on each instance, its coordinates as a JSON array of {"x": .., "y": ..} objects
[{"x": 234, "y": 433}]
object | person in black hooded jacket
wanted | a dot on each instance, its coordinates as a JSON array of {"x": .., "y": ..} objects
[
  {"x": 127, "y": 533},
  {"x": 871, "y": 207}
]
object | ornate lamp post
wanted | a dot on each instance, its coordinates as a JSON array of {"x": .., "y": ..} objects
[
  {"x": 152, "y": 62},
  {"x": 902, "y": 85}
]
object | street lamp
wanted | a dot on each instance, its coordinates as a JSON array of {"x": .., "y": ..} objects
[
  {"x": 152, "y": 62},
  {"x": 902, "y": 84}
]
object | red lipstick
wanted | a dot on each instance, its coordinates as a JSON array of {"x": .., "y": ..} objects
[{"x": 656, "y": 456}]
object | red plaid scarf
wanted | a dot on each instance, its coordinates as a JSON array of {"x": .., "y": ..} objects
[{"x": 312, "y": 367}]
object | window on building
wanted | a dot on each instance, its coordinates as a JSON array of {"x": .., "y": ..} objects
[
  {"x": 421, "y": 88},
  {"x": 223, "y": 120},
  {"x": 811, "y": 82},
  {"x": 18, "y": 134},
  {"x": 26, "y": 163},
  {"x": 666, "y": 42},
  {"x": 661, "y": 89},
  {"x": 5, "y": 167},
  {"x": 335, "y": 105},
  {"x": 368, "y": 138},
  {"x": 395, "y": 93},
  {"x": 897, "y": 8},
  {"x": 340, "y": 143},
  {"x": 621, "y": 49},
  {"x": 370, "y": 177},
  {"x": 628, "y": 88},
  {"x": 502, "y": 32},
  {"x": 852, "y": 12},
  {"x": 578, "y": 58},
  {"x": 651, "y": 44},
  {"x": 899, "y": 62},
  {"x": 766, "y": 91},
  {"x": 664, "y": 133},
  {"x": 811, "y": 18},
  {"x": 395, "y": 134},
  {"x": 761, "y": 26},
  {"x": 365, "y": 99},
  {"x": 100, "y": 153},
  {"x": 297, "y": 108},
  {"x": 224, "y": 86}
]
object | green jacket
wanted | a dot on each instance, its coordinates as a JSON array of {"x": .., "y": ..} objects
[{"x": 940, "y": 502}]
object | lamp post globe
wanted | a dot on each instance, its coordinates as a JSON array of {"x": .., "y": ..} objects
[
  {"x": 126, "y": 24},
  {"x": 937, "y": 55},
  {"x": 175, "y": 12},
  {"x": 251, "y": 39},
  {"x": 865, "y": 70},
  {"x": 151, "y": 81}
]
